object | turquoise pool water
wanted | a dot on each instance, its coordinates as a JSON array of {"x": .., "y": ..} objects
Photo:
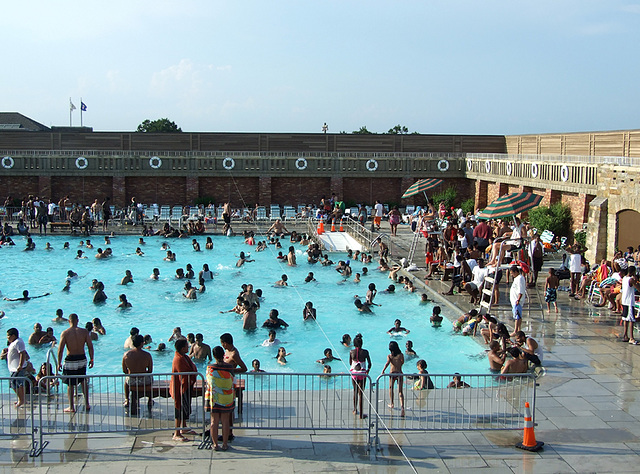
[{"x": 158, "y": 306}]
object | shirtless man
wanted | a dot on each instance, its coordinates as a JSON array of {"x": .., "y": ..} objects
[
  {"x": 37, "y": 334},
  {"x": 25, "y": 297},
  {"x": 278, "y": 228},
  {"x": 59, "y": 318},
  {"x": 138, "y": 361},
  {"x": 517, "y": 365},
  {"x": 199, "y": 351},
  {"x": 383, "y": 249},
  {"x": 291, "y": 257},
  {"x": 496, "y": 357},
  {"x": 397, "y": 328},
  {"x": 231, "y": 356},
  {"x": 530, "y": 348},
  {"x": 75, "y": 363},
  {"x": 128, "y": 278}
]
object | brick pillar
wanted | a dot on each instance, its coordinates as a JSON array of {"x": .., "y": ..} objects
[
  {"x": 337, "y": 187},
  {"x": 44, "y": 187},
  {"x": 264, "y": 190},
  {"x": 404, "y": 184},
  {"x": 554, "y": 197},
  {"x": 481, "y": 193},
  {"x": 192, "y": 189},
  {"x": 119, "y": 192}
]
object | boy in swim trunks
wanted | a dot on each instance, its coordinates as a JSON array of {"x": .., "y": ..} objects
[{"x": 551, "y": 290}]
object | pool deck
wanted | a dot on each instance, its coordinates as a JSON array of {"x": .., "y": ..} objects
[{"x": 585, "y": 415}]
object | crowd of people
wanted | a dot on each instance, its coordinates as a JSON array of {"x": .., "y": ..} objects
[{"x": 512, "y": 354}]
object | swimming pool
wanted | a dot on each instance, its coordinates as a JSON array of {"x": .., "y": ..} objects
[{"x": 158, "y": 306}]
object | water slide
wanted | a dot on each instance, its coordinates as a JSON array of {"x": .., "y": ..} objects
[{"x": 339, "y": 242}]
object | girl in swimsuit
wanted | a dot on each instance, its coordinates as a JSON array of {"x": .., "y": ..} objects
[
  {"x": 395, "y": 359},
  {"x": 360, "y": 364}
]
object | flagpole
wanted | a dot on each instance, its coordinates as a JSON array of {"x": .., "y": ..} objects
[
  {"x": 70, "y": 111},
  {"x": 81, "y": 111}
]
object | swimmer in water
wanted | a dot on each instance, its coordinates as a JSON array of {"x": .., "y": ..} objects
[
  {"x": 271, "y": 341},
  {"x": 398, "y": 329},
  {"x": 128, "y": 278},
  {"x": 139, "y": 252},
  {"x": 255, "y": 364},
  {"x": 357, "y": 278},
  {"x": 124, "y": 303},
  {"x": 309, "y": 278},
  {"x": 309, "y": 312},
  {"x": 67, "y": 286},
  {"x": 59, "y": 318},
  {"x": 364, "y": 308},
  {"x": 409, "y": 352},
  {"x": 195, "y": 245},
  {"x": 25, "y": 297},
  {"x": 436, "y": 318},
  {"x": 346, "y": 340},
  {"x": 89, "y": 245},
  {"x": 328, "y": 357},
  {"x": 282, "y": 281},
  {"x": 48, "y": 246},
  {"x": 190, "y": 291},
  {"x": 282, "y": 356},
  {"x": 155, "y": 275},
  {"x": 242, "y": 260},
  {"x": 65, "y": 246},
  {"x": 107, "y": 240},
  {"x": 80, "y": 254}
]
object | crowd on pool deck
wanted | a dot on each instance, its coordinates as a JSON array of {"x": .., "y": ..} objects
[{"x": 465, "y": 252}]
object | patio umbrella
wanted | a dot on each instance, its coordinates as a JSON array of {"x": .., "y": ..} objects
[
  {"x": 421, "y": 186},
  {"x": 510, "y": 204}
]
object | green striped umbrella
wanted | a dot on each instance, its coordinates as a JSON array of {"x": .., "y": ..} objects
[
  {"x": 421, "y": 186},
  {"x": 510, "y": 204}
]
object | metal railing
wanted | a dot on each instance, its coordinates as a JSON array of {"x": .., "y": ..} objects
[
  {"x": 17, "y": 421},
  {"x": 108, "y": 413},
  {"x": 486, "y": 402},
  {"x": 273, "y": 401},
  {"x": 300, "y": 401}
]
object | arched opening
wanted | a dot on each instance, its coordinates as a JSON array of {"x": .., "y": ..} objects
[{"x": 627, "y": 225}]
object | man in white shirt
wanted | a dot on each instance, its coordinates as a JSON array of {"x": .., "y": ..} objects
[
  {"x": 379, "y": 212},
  {"x": 474, "y": 286},
  {"x": 17, "y": 360},
  {"x": 627, "y": 293},
  {"x": 517, "y": 295}
]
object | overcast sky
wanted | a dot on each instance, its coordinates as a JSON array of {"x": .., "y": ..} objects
[{"x": 477, "y": 66}]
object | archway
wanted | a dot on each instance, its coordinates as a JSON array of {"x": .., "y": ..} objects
[{"x": 627, "y": 225}]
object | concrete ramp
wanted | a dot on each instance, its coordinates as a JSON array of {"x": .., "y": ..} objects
[{"x": 339, "y": 242}]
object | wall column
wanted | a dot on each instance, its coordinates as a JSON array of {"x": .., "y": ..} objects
[
  {"x": 597, "y": 229},
  {"x": 119, "y": 192},
  {"x": 264, "y": 190},
  {"x": 192, "y": 189},
  {"x": 480, "y": 198}
]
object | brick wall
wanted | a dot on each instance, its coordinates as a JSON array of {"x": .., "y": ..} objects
[
  {"x": 294, "y": 191},
  {"x": 81, "y": 190},
  {"x": 240, "y": 192},
  {"x": 579, "y": 205},
  {"x": 18, "y": 187}
]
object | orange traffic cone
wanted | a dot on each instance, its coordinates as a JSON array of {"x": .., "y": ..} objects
[
  {"x": 321, "y": 227},
  {"x": 333, "y": 225},
  {"x": 529, "y": 442},
  {"x": 341, "y": 228}
]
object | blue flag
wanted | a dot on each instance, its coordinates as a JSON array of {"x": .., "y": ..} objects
[{"x": 83, "y": 106}]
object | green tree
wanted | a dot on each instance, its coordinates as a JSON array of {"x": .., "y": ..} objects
[
  {"x": 556, "y": 218},
  {"x": 162, "y": 125},
  {"x": 398, "y": 130},
  {"x": 448, "y": 196},
  {"x": 363, "y": 131}
]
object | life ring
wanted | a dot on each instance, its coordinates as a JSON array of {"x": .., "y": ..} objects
[
  {"x": 301, "y": 163},
  {"x": 81, "y": 162},
  {"x": 228, "y": 163},
  {"x": 372, "y": 165},
  {"x": 534, "y": 170},
  {"x": 7, "y": 162},
  {"x": 523, "y": 266},
  {"x": 155, "y": 162},
  {"x": 469, "y": 165},
  {"x": 509, "y": 168},
  {"x": 487, "y": 166},
  {"x": 443, "y": 165},
  {"x": 564, "y": 173}
]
